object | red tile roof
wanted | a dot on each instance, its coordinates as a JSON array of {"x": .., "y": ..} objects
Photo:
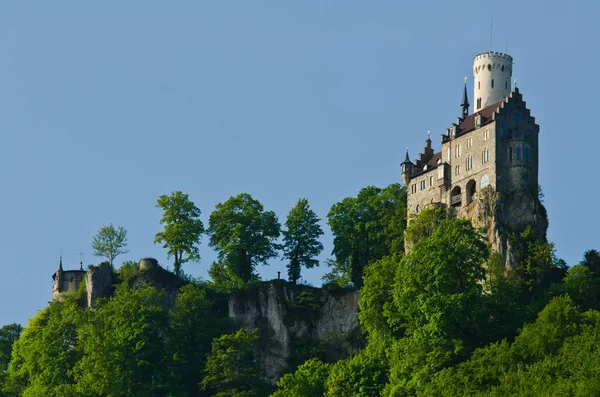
[{"x": 486, "y": 114}]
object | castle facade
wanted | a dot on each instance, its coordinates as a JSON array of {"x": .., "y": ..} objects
[{"x": 492, "y": 151}]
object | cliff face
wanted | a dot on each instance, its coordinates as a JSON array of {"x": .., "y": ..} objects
[{"x": 295, "y": 322}]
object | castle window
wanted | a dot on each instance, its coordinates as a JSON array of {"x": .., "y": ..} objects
[
  {"x": 526, "y": 152},
  {"x": 518, "y": 153},
  {"x": 441, "y": 173},
  {"x": 457, "y": 170},
  {"x": 485, "y": 155},
  {"x": 430, "y": 181},
  {"x": 469, "y": 162},
  {"x": 479, "y": 85},
  {"x": 418, "y": 208},
  {"x": 423, "y": 185},
  {"x": 503, "y": 68},
  {"x": 448, "y": 157},
  {"x": 469, "y": 142},
  {"x": 505, "y": 83},
  {"x": 489, "y": 67},
  {"x": 501, "y": 129},
  {"x": 457, "y": 150},
  {"x": 486, "y": 135},
  {"x": 510, "y": 153},
  {"x": 485, "y": 181},
  {"x": 492, "y": 83},
  {"x": 414, "y": 188},
  {"x": 478, "y": 103}
]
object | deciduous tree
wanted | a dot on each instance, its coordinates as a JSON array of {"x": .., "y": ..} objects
[
  {"x": 368, "y": 227},
  {"x": 301, "y": 239},
  {"x": 243, "y": 234},
  {"x": 110, "y": 242},
  {"x": 183, "y": 228}
]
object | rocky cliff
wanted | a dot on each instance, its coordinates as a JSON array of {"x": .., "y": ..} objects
[{"x": 297, "y": 322}]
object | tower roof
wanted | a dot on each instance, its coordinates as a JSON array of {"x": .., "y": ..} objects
[
  {"x": 465, "y": 99},
  {"x": 60, "y": 268},
  {"x": 406, "y": 159}
]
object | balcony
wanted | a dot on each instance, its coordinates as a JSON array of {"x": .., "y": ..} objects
[{"x": 455, "y": 200}]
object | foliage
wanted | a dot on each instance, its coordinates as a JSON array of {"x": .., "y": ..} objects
[
  {"x": 363, "y": 375},
  {"x": 110, "y": 242},
  {"x": 309, "y": 380},
  {"x": 368, "y": 227},
  {"x": 223, "y": 279},
  {"x": 44, "y": 356},
  {"x": 424, "y": 224},
  {"x": 232, "y": 368},
  {"x": 591, "y": 259},
  {"x": 301, "y": 239},
  {"x": 338, "y": 276},
  {"x": 537, "y": 265},
  {"x": 124, "y": 352},
  {"x": 376, "y": 301},
  {"x": 193, "y": 326},
  {"x": 183, "y": 228},
  {"x": 243, "y": 234}
]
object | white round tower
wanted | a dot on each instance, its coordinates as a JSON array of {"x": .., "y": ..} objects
[{"x": 492, "y": 72}]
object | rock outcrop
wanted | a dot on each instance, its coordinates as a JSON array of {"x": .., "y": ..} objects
[
  {"x": 99, "y": 283},
  {"x": 297, "y": 321}
]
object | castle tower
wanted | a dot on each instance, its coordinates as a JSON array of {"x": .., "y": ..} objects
[
  {"x": 407, "y": 169},
  {"x": 492, "y": 72}
]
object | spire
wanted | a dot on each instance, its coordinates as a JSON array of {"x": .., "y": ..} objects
[
  {"x": 406, "y": 159},
  {"x": 465, "y": 102},
  {"x": 60, "y": 268}
]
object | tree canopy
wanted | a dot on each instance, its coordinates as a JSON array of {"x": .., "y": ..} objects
[
  {"x": 243, "y": 234},
  {"x": 182, "y": 228},
  {"x": 301, "y": 239},
  {"x": 110, "y": 242},
  {"x": 368, "y": 227}
]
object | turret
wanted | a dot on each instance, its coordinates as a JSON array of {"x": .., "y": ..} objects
[
  {"x": 492, "y": 73},
  {"x": 58, "y": 279},
  {"x": 465, "y": 102},
  {"x": 407, "y": 169}
]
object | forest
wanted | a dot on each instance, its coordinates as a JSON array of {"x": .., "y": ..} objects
[{"x": 444, "y": 319}]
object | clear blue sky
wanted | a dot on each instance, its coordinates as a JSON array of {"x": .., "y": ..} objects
[{"x": 104, "y": 106}]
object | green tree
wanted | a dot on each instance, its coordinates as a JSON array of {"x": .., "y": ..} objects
[
  {"x": 243, "y": 234},
  {"x": 110, "y": 242},
  {"x": 183, "y": 228},
  {"x": 8, "y": 335},
  {"x": 301, "y": 239},
  {"x": 376, "y": 299},
  {"x": 368, "y": 227},
  {"x": 362, "y": 375},
  {"x": 45, "y": 354},
  {"x": 232, "y": 368},
  {"x": 591, "y": 259},
  {"x": 124, "y": 347},
  {"x": 309, "y": 380}
]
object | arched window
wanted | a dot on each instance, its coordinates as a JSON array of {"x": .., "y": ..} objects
[
  {"x": 485, "y": 181},
  {"x": 518, "y": 153},
  {"x": 492, "y": 83},
  {"x": 418, "y": 208},
  {"x": 526, "y": 152},
  {"x": 431, "y": 181},
  {"x": 471, "y": 190},
  {"x": 510, "y": 153},
  {"x": 456, "y": 197},
  {"x": 485, "y": 156}
]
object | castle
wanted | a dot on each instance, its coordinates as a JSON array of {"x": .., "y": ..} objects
[
  {"x": 66, "y": 280},
  {"x": 487, "y": 169}
]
